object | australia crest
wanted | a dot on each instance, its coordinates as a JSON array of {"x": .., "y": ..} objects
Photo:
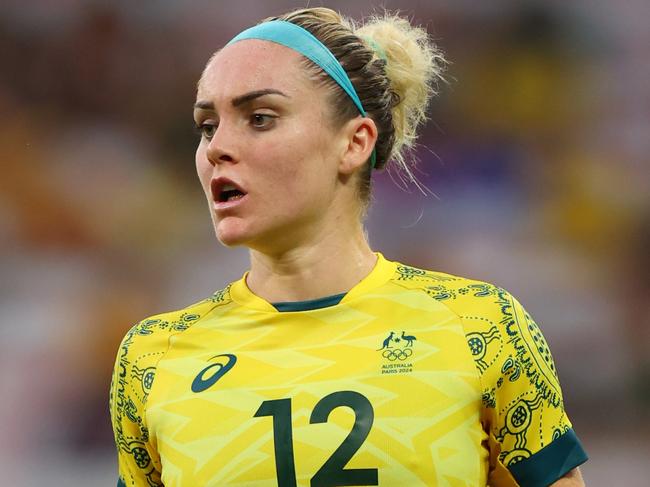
[{"x": 396, "y": 351}]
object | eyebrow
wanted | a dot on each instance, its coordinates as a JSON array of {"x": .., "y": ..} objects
[{"x": 242, "y": 99}]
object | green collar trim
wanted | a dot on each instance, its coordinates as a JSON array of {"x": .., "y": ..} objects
[{"x": 310, "y": 304}]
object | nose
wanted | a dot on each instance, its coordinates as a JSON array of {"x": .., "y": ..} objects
[{"x": 221, "y": 148}]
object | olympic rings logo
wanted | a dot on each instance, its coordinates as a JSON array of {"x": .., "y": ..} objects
[{"x": 397, "y": 354}]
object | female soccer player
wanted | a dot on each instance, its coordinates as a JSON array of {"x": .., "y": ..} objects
[{"x": 326, "y": 364}]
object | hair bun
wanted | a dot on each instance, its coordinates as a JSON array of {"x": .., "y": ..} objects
[{"x": 414, "y": 65}]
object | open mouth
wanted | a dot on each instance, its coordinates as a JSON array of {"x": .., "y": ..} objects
[
  {"x": 229, "y": 194},
  {"x": 224, "y": 190}
]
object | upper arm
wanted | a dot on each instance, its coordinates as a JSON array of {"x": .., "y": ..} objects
[
  {"x": 137, "y": 361},
  {"x": 572, "y": 479},
  {"x": 133, "y": 374},
  {"x": 531, "y": 439}
]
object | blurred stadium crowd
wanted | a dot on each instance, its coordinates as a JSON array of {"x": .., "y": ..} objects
[{"x": 537, "y": 155}]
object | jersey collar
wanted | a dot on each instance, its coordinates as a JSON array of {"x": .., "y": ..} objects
[{"x": 380, "y": 274}]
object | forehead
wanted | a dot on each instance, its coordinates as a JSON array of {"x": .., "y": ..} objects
[{"x": 251, "y": 65}]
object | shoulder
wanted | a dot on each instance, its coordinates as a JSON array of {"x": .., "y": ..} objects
[
  {"x": 522, "y": 406},
  {"x": 462, "y": 295},
  {"x": 503, "y": 338},
  {"x": 139, "y": 353},
  {"x": 150, "y": 336},
  {"x": 484, "y": 309}
]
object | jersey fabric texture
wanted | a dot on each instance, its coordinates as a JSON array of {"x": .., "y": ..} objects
[{"x": 412, "y": 378}]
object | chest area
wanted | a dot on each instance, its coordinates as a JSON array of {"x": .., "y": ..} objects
[{"x": 363, "y": 397}]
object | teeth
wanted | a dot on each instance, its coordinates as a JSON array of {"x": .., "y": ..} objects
[{"x": 228, "y": 187}]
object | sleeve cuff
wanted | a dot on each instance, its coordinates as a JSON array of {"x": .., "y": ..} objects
[{"x": 551, "y": 462}]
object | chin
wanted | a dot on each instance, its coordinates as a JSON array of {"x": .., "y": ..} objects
[
  {"x": 232, "y": 234},
  {"x": 230, "y": 239},
  {"x": 264, "y": 235}
]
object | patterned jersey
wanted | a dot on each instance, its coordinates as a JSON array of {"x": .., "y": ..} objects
[{"x": 412, "y": 378}]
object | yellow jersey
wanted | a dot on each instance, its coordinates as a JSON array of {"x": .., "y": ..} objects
[{"x": 412, "y": 378}]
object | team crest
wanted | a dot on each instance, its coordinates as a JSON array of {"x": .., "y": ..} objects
[{"x": 396, "y": 350}]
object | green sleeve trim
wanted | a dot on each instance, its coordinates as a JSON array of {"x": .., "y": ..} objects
[
  {"x": 120, "y": 483},
  {"x": 550, "y": 463}
]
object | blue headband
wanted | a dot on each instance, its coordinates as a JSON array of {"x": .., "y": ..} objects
[{"x": 301, "y": 40}]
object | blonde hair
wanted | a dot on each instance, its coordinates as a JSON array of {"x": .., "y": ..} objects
[{"x": 394, "y": 68}]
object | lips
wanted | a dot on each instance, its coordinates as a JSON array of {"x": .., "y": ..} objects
[{"x": 226, "y": 190}]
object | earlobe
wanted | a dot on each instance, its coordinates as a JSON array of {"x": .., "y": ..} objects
[{"x": 361, "y": 136}]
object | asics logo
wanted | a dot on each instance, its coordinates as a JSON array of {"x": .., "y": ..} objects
[{"x": 213, "y": 372}]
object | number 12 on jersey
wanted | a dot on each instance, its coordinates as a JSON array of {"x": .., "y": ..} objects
[{"x": 332, "y": 473}]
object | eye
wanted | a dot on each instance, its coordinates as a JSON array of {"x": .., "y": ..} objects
[
  {"x": 262, "y": 121},
  {"x": 206, "y": 130}
]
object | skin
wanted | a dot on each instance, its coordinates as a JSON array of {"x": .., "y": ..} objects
[
  {"x": 571, "y": 479},
  {"x": 301, "y": 216}
]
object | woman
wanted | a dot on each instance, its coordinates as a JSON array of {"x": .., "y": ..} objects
[{"x": 326, "y": 364}]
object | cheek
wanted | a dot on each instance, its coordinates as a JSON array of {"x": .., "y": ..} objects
[
  {"x": 301, "y": 164},
  {"x": 297, "y": 184},
  {"x": 285, "y": 165}
]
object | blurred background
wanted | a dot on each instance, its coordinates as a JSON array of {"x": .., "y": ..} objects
[{"x": 537, "y": 155}]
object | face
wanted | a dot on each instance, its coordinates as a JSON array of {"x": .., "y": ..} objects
[{"x": 267, "y": 159}]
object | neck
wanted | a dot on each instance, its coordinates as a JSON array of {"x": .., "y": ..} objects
[{"x": 332, "y": 263}]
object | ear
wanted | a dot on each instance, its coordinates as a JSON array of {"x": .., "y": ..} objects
[{"x": 360, "y": 135}]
